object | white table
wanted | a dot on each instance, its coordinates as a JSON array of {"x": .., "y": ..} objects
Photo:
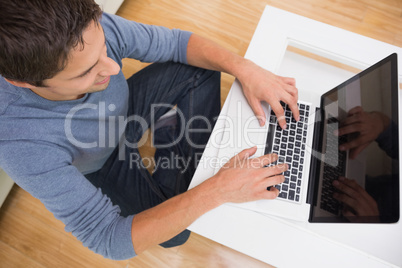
[
  {"x": 287, "y": 243},
  {"x": 109, "y": 6}
]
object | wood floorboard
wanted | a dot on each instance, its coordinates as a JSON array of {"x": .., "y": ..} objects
[{"x": 31, "y": 237}]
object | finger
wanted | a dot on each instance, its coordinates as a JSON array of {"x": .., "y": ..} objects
[
  {"x": 275, "y": 170},
  {"x": 258, "y": 111},
  {"x": 274, "y": 180},
  {"x": 291, "y": 99},
  {"x": 264, "y": 160},
  {"x": 289, "y": 80},
  {"x": 295, "y": 110},
  {"x": 280, "y": 115},
  {"x": 246, "y": 153},
  {"x": 290, "y": 88},
  {"x": 272, "y": 193},
  {"x": 242, "y": 156}
]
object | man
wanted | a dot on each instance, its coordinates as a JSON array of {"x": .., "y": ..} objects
[{"x": 71, "y": 123}]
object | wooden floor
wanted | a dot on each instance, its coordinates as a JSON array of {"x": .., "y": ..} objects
[{"x": 31, "y": 237}]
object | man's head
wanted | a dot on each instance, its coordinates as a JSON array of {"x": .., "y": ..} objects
[{"x": 41, "y": 39}]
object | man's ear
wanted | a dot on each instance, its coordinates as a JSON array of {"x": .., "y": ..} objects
[{"x": 18, "y": 84}]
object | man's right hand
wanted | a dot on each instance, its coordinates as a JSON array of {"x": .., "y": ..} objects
[
  {"x": 242, "y": 179},
  {"x": 245, "y": 179}
]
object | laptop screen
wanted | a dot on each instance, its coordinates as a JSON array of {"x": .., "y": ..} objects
[{"x": 357, "y": 175}]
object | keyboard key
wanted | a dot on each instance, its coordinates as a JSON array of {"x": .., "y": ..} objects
[
  {"x": 291, "y": 195},
  {"x": 299, "y": 131},
  {"x": 283, "y": 195}
]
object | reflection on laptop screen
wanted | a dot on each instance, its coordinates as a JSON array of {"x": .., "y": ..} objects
[{"x": 359, "y": 169}]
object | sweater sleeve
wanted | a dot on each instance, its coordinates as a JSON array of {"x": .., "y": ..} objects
[
  {"x": 147, "y": 43},
  {"x": 45, "y": 172}
]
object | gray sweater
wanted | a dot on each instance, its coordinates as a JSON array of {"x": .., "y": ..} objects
[{"x": 46, "y": 146}]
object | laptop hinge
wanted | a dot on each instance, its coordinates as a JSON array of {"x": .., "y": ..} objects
[{"x": 315, "y": 161}]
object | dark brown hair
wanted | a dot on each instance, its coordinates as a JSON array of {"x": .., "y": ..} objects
[{"x": 36, "y": 36}]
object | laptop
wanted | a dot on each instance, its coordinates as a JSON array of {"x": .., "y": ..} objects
[{"x": 311, "y": 148}]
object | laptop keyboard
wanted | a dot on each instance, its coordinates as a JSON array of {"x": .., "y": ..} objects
[{"x": 290, "y": 145}]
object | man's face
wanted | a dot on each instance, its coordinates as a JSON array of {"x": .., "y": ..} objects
[{"x": 88, "y": 69}]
